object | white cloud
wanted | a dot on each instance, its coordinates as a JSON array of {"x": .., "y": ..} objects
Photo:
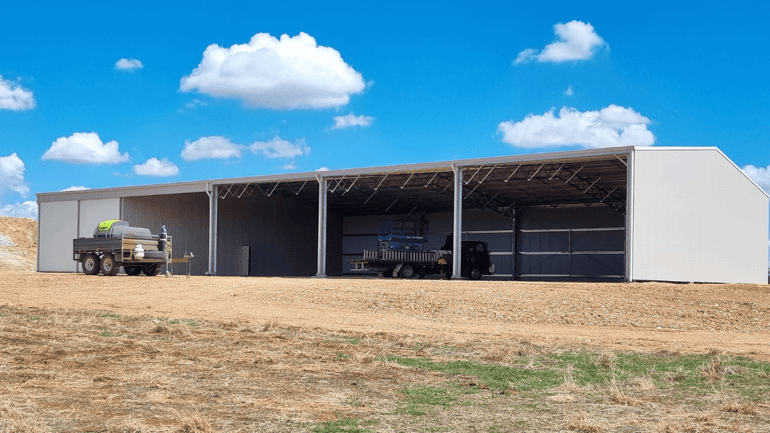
[
  {"x": 280, "y": 148},
  {"x": 14, "y": 97},
  {"x": 569, "y": 91},
  {"x": 577, "y": 41},
  {"x": 75, "y": 188},
  {"x": 128, "y": 64},
  {"x": 154, "y": 167},
  {"x": 293, "y": 72},
  {"x": 759, "y": 175},
  {"x": 290, "y": 166},
  {"x": 611, "y": 126},
  {"x": 193, "y": 104},
  {"x": 352, "y": 120},
  {"x": 27, "y": 209},
  {"x": 85, "y": 148},
  {"x": 214, "y": 147},
  {"x": 322, "y": 169},
  {"x": 12, "y": 175}
]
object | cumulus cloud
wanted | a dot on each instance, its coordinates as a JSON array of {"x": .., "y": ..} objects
[
  {"x": 12, "y": 175},
  {"x": 85, "y": 148},
  {"x": 322, "y": 169},
  {"x": 569, "y": 91},
  {"x": 214, "y": 147},
  {"x": 577, "y": 41},
  {"x": 280, "y": 148},
  {"x": 128, "y": 64},
  {"x": 75, "y": 188},
  {"x": 352, "y": 120},
  {"x": 27, "y": 209},
  {"x": 155, "y": 167},
  {"x": 14, "y": 97},
  {"x": 610, "y": 126},
  {"x": 285, "y": 73},
  {"x": 760, "y": 175}
]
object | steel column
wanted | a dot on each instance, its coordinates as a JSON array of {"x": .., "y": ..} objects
[
  {"x": 321, "y": 273},
  {"x": 457, "y": 227},
  {"x": 630, "y": 217},
  {"x": 213, "y": 193}
]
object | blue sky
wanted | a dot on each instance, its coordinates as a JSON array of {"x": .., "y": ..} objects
[{"x": 102, "y": 94}]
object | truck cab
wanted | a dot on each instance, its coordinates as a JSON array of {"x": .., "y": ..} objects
[{"x": 474, "y": 259}]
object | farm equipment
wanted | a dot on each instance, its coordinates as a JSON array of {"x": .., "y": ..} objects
[
  {"x": 115, "y": 244},
  {"x": 400, "y": 254}
]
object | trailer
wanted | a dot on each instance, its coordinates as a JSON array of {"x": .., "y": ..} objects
[
  {"x": 387, "y": 262},
  {"x": 115, "y": 244}
]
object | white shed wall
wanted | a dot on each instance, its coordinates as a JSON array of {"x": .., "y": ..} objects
[
  {"x": 58, "y": 225},
  {"x": 697, "y": 218},
  {"x": 92, "y": 212}
]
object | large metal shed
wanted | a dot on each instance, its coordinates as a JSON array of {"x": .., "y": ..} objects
[{"x": 624, "y": 214}]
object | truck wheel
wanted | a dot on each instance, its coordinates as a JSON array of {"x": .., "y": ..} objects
[
  {"x": 474, "y": 274},
  {"x": 151, "y": 270},
  {"x": 132, "y": 270},
  {"x": 91, "y": 264},
  {"x": 108, "y": 265},
  {"x": 407, "y": 271}
]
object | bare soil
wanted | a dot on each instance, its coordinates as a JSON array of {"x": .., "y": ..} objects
[
  {"x": 22, "y": 233},
  {"x": 209, "y": 354}
]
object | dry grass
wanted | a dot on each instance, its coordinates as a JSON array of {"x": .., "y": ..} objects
[{"x": 583, "y": 423}]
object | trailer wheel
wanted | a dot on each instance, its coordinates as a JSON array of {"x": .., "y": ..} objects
[
  {"x": 132, "y": 270},
  {"x": 474, "y": 274},
  {"x": 108, "y": 265},
  {"x": 91, "y": 264},
  {"x": 407, "y": 271},
  {"x": 151, "y": 270}
]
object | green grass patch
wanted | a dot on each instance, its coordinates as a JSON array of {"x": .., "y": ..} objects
[
  {"x": 341, "y": 356},
  {"x": 417, "y": 398},
  {"x": 111, "y": 316},
  {"x": 343, "y": 339},
  {"x": 106, "y": 333},
  {"x": 344, "y": 425},
  {"x": 33, "y": 318},
  {"x": 495, "y": 376}
]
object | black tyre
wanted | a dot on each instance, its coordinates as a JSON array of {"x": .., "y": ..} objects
[
  {"x": 474, "y": 274},
  {"x": 108, "y": 265},
  {"x": 151, "y": 270},
  {"x": 91, "y": 264},
  {"x": 407, "y": 271},
  {"x": 132, "y": 270}
]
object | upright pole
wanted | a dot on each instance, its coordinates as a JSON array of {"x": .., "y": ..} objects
[
  {"x": 629, "y": 274},
  {"x": 457, "y": 228},
  {"x": 213, "y": 193},
  {"x": 321, "y": 273}
]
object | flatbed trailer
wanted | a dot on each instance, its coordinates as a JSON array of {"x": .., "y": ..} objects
[{"x": 388, "y": 263}]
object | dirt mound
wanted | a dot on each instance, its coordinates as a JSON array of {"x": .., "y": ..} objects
[{"x": 18, "y": 244}]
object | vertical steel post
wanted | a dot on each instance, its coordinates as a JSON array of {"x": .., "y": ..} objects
[
  {"x": 629, "y": 274},
  {"x": 457, "y": 227},
  {"x": 322, "y": 186},
  {"x": 213, "y": 194},
  {"x": 216, "y": 227}
]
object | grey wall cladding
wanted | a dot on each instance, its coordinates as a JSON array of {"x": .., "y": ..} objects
[
  {"x": 570, "y": 246},
  {"x": 186, "y": 217},
  {"x": 282, "y": 234}
]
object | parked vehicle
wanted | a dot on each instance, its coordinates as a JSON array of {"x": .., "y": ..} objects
[
  {"x": 388, "y": 262},
  {"x": 115, "y": 244}
]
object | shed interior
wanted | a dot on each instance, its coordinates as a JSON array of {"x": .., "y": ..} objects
[{"x": 550, "y": 219}]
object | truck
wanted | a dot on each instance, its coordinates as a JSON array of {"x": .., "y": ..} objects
[
  {"x": 400, "y": 254},
  {"x": 115, "y": 243}
]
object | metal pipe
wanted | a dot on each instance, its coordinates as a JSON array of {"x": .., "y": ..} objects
[
  {"x": 322, "y": 186},
  {"x": 457, "y": 227},
  {"x": 514, "y": 172},
  {"x": 216, "y": 227}
]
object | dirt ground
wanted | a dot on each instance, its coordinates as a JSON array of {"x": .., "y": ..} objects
[
  {"x": 18, "y": 244},
  {"x": 686, "y": 318},
  {"x": 208, "y": 354}
]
